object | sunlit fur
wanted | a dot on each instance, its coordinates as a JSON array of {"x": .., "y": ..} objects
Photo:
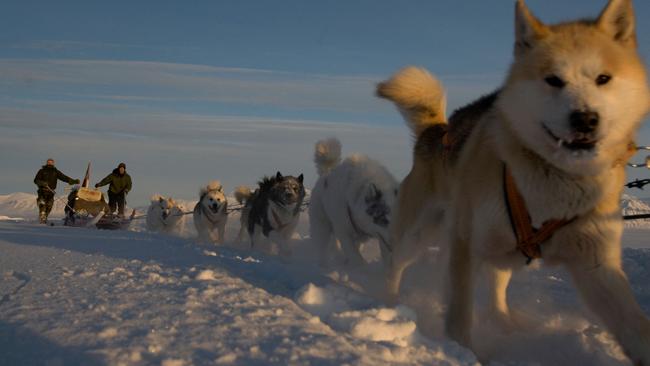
[
  {"x": 211, "y": 213},
  {"x": 165, "y": 215},
  {"x": 459, "y": 200}
]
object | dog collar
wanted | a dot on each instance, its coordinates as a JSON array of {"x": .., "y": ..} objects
[{"x": 529, "y": 238}]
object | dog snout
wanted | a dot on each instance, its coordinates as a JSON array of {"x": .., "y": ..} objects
[{"x": 584, "y": 121}]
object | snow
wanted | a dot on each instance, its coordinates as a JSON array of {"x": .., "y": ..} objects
[
  {"x": 95, "y": 297},
  {"x": 633, "y": 206}
]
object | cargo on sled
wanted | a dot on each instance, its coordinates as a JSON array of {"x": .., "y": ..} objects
[{"x": 87, "y": 207}]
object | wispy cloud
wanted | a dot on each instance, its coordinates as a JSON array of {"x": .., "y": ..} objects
[{"x": 139, "y": 81}]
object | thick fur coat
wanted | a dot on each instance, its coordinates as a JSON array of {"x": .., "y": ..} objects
[
  {"x": 562, "y": 124},
  {"x": 211, "y": 213},
  {"x": 273, "y": 210},
  {"x": 165, "y": 215},
  {"x": 351, "y": 202}
]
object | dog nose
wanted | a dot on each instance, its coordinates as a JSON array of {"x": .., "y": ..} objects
[{"x": 584, "y": 121}]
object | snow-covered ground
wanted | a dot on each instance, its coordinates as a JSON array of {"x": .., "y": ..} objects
[{"x": 91, "y": 297}]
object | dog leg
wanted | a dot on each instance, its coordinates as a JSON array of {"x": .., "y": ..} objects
[
  {"x": 320, "y": 231},
  {"x": 607, "y": 292},
  {"x": 242, "y": 234},
  {"x": 321, "y": 234},
  {"x": 255, "y": 236},
  {"x": 498, "y": 280},
  {"x": 404, "y": 254},
  {"x": 458, "y": 322},
  {"x": 351, "y": 250},
  {"x": 221, "y": 232}
]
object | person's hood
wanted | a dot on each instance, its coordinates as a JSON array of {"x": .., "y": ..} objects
[{"x": 116, "y": 171}]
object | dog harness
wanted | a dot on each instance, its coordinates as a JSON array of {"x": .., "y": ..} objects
[{"x": 529, "y": 238}]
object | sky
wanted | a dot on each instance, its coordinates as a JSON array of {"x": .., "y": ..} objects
[{"x": 186, "y": 92}]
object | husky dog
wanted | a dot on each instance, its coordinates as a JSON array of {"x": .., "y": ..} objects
[
  {"x": 165, "y": 215},
  {"x": 273, "y": 209},
  {"x": 211, "y": 213},
  {"x": 351, "y": 202},
  {"x": 559, "y": 131}
]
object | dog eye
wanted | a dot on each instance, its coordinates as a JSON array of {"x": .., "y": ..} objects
[
  {"x": 603, "y": 79},
  {"x": 554, "y": 81}
]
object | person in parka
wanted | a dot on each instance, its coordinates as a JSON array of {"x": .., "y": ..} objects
[
  {"x": 119, "y": 186},
  {"x": 46, "y": 180}
]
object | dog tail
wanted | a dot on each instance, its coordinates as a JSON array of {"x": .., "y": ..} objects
[
  {"x": 213, "y": 185},
  {"x": 327, "y": 155},
  {"x": 418, "y": 95},
  {"x": 242, "y": 194}
]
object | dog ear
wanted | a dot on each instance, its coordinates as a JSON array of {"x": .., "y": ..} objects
[
  {"x": 528, "y": 29},
  {"x": 161, "y": 199},
  {"x": 372, "y": 193},
  {"x": 278, "y": 176},
  {"x": 300, "y": 178},
  {"x": 617, "y": 20}
]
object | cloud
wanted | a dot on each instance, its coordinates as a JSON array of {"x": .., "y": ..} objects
[
  {"x": 159, "y": 82},
  {"x": 156, "y": 81}
]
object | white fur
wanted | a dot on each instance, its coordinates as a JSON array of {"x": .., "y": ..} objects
[
  {"x": 206, "y": 219},
  {"x": 165, "y": 215},
  {"x": 340, "y": 193}
]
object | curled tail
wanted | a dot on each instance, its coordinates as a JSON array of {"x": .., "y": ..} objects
[
  {"x": 327, "y": 155},
  {"x": 418, "y": 95},
  {"x": 242, "y": 194}
]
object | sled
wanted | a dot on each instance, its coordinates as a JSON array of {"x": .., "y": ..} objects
[{"x": 87, "y": 207}]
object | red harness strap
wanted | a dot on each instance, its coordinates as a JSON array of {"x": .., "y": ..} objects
[{"x": 529, "y": 239}]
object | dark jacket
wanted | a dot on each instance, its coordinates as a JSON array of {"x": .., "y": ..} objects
[
  {"x": 118, "y": 183},
  {"x": 49, "y": 175}
]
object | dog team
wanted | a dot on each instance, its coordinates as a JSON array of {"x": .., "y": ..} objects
[{"x": 533, "y": 170}]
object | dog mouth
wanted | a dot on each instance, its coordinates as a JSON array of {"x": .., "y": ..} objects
[
  {"x": 215, "y": 208},
  {"x": 579, "y": 141},
  {"x": 289, "y": 199}
]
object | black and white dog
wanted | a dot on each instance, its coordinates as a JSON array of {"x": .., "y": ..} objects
[
  {"x": 211, "y": 213},
  {"x": 272, "y": 210}
]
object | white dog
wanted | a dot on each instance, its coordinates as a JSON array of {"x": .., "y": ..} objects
[
  {"x": 165, "y": 215},
  {"x": 351, "y": 202},
  {"x": 211, "y": 213}
]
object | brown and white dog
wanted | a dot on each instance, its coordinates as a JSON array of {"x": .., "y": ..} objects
[
  {"x": 211, "y": 213},
  {"x": 561, "y": 127}
]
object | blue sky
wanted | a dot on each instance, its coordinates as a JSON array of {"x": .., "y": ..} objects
[{"x": 185, "y": 92}]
